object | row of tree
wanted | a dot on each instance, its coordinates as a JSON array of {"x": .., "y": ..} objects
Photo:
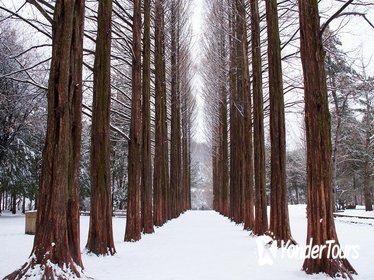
[
  {"x": 240, "y": 100},
  {"x": 155, "y": 119}
]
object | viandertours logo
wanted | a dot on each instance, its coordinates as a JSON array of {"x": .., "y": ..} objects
[{"x": 268, "y": 251}]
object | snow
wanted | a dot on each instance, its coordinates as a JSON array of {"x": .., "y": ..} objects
[
  {"x": 360, "y": 212},
  {"x": 198, "y": 245}
]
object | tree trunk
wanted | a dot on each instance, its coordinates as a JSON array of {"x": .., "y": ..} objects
[
  {"x": 100, "y": 235},
  {"x": 6, "y": 201},
  {"x": 367, "y": 188},
  {"x": 146, "y": 182},
  {"x": 175, "y": 152},
  {"x": 279, "y": 221},
  {"x": 76, "y": 84},
  {"x": 166, "y": 214},
  {"x": 367, "y": 169},
  {"x": 53, "y": 236},
  {"x": 321, "y": 227},
  {"x": 235, "y": 125},
  {"x": 186, "y": 149},
  {"x": 160, "y": 175},
  {"x": 133, "y": 224},
  {"x": 23, "y": 204},
  {"x": 247, "y": 144},
  {"x": 14, "y": 202},
  {"x": 223, "y": 124}
]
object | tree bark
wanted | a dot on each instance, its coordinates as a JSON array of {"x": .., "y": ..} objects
[
  {"x": 160, "y": 175},
  {"x": 76, "y": 130},
  {"x": 146, "y": 182},
  {"x": 100, "y": 235},
  {"x": 54, "y": 239},
  {"x": 247, "y": 145},
  {"x": 279, "y": 221},
  {"x": 14, "y": 202},
  {"x": 321, "y": 226},
  {"x": 133, "y": 224},
  {"x": 235, "y": 124},
  {"x": 367, "y": 169},
  {"x": 175, "y": 146},
  {"x": 261, "y": 220}
]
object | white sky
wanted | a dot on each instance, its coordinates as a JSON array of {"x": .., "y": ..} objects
[{"x": 197, "y": 33}]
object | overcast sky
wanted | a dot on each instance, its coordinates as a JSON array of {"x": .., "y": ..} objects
[{"x": 357, "y": 38}]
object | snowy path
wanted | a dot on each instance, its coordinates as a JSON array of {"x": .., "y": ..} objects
[{"x": 200, "y": 245}]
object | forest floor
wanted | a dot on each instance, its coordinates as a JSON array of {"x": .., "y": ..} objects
[{"x": 200, "y": 245}]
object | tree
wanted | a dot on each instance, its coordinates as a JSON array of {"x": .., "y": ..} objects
[
  {"x": 368, "y": 133},
  {"x": 146, "y": 182},
  {"x": 56, "y": 249},
  {"x": 175, "y": 146},
  {"x": 160, "y": 174},
  {"x": 321, "y": 226},
  {"x": 340, "y": 78},
  {"x": 236, "y": 122},
  {"x": 247, "y": 145},
  {"x": 133, "y": 223},
  {"x": 22, "y": 129},
  {"x": 100, "y": 235},
  {"x": 279, "y": 221},
  {"x": 261, "y": 220}
]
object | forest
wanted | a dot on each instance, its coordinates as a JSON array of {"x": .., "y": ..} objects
[{"x": 101, "y": 103}]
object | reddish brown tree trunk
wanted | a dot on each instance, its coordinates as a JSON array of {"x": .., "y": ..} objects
[
  {"x": 175, "y": 151},
  {"x": 261, "y": 221},
  {"x": 186, "y": 149},
  {"x": 235, "y": 124},
  {"x": 76, "y": 84},
  {"x": 160, "y": 175},
  {"x": 166, "y": 214},
  {"x": 100, "y": 235},
  {"x": 247, "y": 144},
  {"x": 53, "y": 235},
  {"x": 133, "y": 224},
  {"x": 224, "y": 152},
  {"x": 279, "y": 220},
  {"x": 146, "y": 182},
  {"x": 321, "y": 226}
]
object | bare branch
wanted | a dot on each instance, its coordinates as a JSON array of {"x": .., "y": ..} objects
[{"x": 337, "y": 13}]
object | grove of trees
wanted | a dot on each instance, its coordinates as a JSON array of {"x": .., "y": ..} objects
[
  {"x": 97, "y": 114},
  {"x": 112, "y": 111}
]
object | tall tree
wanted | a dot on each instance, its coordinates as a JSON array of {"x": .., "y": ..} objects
[
  {"x": 236, "y": 122},
  {"x": 368, "y": 131},
  {"x": 100, "y": 235},
  {"x": 146, "y": 182},
  {"x": 279, "y": 220},
  {"x": 261, "y": 220},
  {"x": 321, "y": 226},
  {"x": 133, "y": 224},
  {"x": 56, "y": 249},
  {"x": 175, "y": 145},
  {"x": 160, "y": 175},
  {"x": 246, "y": 142}
]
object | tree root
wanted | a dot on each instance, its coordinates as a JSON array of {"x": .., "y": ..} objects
[
  {"x": 335, "y": 268},
  {"x": 47, "y": 270}
]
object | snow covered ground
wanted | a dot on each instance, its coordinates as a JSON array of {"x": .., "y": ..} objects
[{"x": 200, "y": 245}]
